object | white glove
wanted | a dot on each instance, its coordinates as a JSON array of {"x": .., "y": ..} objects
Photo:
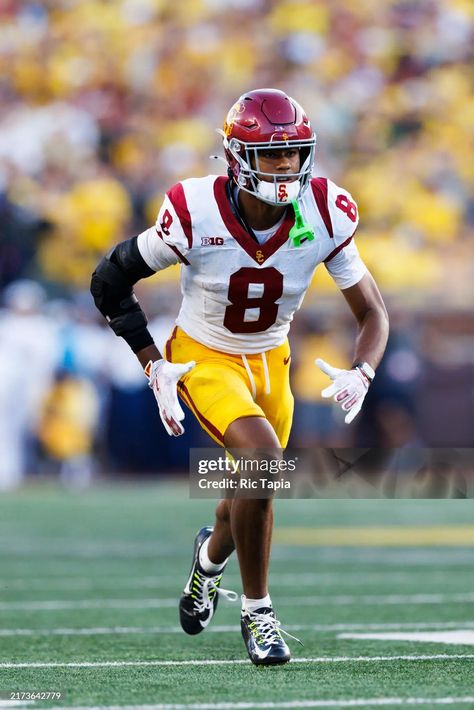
[
  {"x": 163, "y": 379},
  {"x": 348, "y": 388}
]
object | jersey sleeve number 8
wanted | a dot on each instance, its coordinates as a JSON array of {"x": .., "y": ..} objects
[{"x": 238, "y": 295}]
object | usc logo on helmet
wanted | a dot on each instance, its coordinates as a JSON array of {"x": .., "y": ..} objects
[{"x": 237, "y": 108}]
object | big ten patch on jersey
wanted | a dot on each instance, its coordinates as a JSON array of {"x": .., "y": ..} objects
[{"x": 212, "y": 241}]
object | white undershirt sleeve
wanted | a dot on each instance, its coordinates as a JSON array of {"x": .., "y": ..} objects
[{"x": 346, "y": 267}]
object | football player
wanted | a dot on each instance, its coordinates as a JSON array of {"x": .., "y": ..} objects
[{"x": 248, "y": 244}]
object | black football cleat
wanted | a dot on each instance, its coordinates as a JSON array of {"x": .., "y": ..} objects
[
  {"x": 201, "y": 593},
  {"x": 262, "y": 635}
]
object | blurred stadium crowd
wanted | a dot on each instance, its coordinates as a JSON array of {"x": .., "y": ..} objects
[{"x": 106, "y": 103}]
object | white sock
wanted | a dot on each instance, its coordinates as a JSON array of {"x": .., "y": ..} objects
[
  {"x": 208, "y": 566},
  {"x": 254, "y": 604}
]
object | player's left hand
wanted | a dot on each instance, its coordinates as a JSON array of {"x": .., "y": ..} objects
[
  {"x": 163, "y": 379},
  {"x": 348, "y": 388}
]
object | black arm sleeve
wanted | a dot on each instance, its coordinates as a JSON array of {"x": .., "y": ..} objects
[{"x": 112, "y": 288}]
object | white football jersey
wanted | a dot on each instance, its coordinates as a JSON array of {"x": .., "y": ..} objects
[{"x": 239, "y": 296}]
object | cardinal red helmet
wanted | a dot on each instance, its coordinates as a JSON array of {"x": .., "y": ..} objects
[{"x": 261, "y": 120}]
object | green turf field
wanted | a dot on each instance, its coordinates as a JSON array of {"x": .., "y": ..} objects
[{"x": 90, "y": 583}]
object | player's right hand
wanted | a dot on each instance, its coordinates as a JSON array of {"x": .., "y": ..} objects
[{"x": 163, "y": 379}]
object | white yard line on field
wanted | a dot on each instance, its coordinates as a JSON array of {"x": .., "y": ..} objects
[
  {"x": 228, "y": 662},
  {"x": 65, "y": 604},
  {"x": 454, "y": 637},
  {"x": 342, "y": 703},
  {"x": 125, "y": 630},
  {"x": 371, "y": 599},
  {"x": 339, "y": 600},
  {"x": 100, "y": 581}
]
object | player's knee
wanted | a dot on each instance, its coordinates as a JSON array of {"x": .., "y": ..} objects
[{"x": 252, "y": 434}]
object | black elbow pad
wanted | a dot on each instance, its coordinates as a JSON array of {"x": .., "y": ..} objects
[
  {"x": 112, "y": 281},
  {"x": 112, "y": 290},
  {"x": 127, "y": 256}
]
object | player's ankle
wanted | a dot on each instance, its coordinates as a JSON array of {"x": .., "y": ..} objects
[
  {"x": 208, "y": 565},
  {"x": 251, "y": 605}
]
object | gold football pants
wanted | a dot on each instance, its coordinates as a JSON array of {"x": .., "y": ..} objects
[{"x": 223, "y": 387}]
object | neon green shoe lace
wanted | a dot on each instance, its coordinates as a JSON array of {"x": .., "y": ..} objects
[{"x": 204, "y": 590}]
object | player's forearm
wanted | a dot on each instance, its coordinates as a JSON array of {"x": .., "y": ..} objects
[
  {"x": 151, "y": 352},
  {"x": 372, "y": 336},
  {"x": 366, "y": 303}
]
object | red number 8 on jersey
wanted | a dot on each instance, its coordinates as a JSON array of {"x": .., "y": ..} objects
[
  {"x": 239, "y": 284},
  {"x": 350, "y": 208}
]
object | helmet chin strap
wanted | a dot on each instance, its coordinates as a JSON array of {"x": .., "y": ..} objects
[{"x": 279, "y": 193}]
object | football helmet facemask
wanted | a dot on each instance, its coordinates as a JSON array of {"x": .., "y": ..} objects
[{"x": 262, "y": 120}]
